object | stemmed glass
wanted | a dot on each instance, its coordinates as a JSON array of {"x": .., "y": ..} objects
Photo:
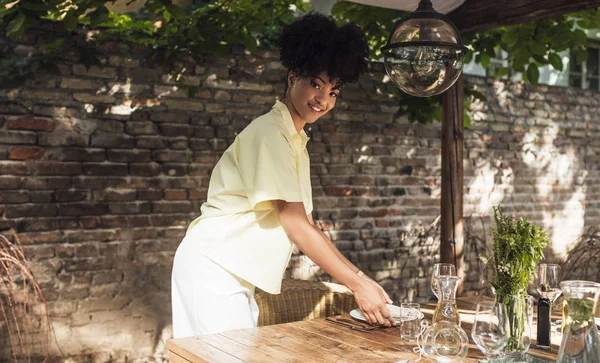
[
  {"x": 490, "y": 328},
  {"x": 548, "y": 281},
  {"x": 440, "y": 269},
  {"x": 548, "y": 286}
]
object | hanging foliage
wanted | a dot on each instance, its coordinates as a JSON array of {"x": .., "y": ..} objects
[
  {"x": 529, "y": 46},
  {"x": 173, "y": 33}
]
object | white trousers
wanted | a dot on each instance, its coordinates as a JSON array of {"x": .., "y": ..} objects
[{"x": 207, "y": 298}]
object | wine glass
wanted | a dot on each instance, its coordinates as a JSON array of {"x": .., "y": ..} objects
[
  {"x": 490, "y": 330},
  {"x": 440, "y": 269},
  {"x": 548, "y": 286},
  {"x": 548, "y": 281}
]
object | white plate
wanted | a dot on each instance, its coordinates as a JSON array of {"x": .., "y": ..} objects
[{"x": 393, "y": 309}]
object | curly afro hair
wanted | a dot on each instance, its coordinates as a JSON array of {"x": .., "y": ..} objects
[{"x": 314, "y": 43}]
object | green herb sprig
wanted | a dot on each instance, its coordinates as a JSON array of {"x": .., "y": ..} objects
[{"x": 518, "y": 248}]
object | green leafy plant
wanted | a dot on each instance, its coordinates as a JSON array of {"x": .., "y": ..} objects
[{"x": 518, "y": 248}]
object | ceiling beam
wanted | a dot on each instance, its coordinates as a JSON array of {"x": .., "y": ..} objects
[{"x": 478, "y": 15}]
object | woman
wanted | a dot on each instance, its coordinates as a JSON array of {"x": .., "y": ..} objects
[{"x": 259, "y": 198}]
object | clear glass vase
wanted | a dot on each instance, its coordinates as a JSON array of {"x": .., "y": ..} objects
[
  {"x": 580, "y": 343},
  {"x": 519, "y": 310}
]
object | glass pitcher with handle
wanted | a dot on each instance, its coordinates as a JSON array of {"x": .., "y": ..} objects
[{"x": 580, "y": 343}]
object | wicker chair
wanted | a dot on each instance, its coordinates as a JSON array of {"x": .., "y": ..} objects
[{"x": 303, "y": 300}]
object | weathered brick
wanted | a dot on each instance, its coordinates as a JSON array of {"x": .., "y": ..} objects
[
  {"x": 169, "y": 219},
  {"x": 17, "y": 137},
  {"x": 82, "y": 277},
  {"x": 143, "y": 169},
  {"x": 197, "y": 194},
  {"x": 176, "y": 130},
  {"x": 14, "y": 197},
  {"x": 82, "y": 209},
  {"x": 63, "y": 138},
  {"x": 119, "y": 195},
  {"x": 130, "y": 208},
  {"x": 214, "y": 107},
  {"x": 31, "y": 238},
  {"x": 178, "y": 143},
  {"x": 54, "y": 168},
  {"x": 171, "y": 207},
  {"x": 75, "y": 292},
  {"x": 13, "y": 168},
  {"x": 106, "y": 139},
  {"x": 260, "y": 100},
  {"x": 102, "y": 303},
  {"x": 93, "y": 97},
  {"x": 175, "y": 194},
  {"x": 260, "y": 87},
  {"x": 107, "y": 277},
  {"x": 44, "y": 252},
  {"x": 119, "y": 61},
  {"x": 171, "y": 155},
  {"x": 129, "y": 155},
  {"x": 170, "y": 117},
  {"x": 70, "y": 195},
  {"x": 105, "y": 169},
  {"x": 151, "y": 142},
  {"x": 30, "y": 123},
  {"x": 12, "y": 108},
  {"x": 173, "y": 104},
  {"x": 46, "y": 182},
  {"x": 79, "y": 83},
  {"x": 149, "y": 194},
  {"x": 86, "y": 250},
  {"x": 55, "y": 95},
  {"x": 21, "y": 153},
  {"x": 171, "y": 91},
  {"x": 94, "y": 71},
  {"x": 141, "y": 128},
  {"x": 41, "y": 196},
  {"x": 221, "y": 95},
  {"x": 77, "y": 154}
]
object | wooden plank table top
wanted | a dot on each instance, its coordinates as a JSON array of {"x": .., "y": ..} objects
[{"x": 320, "y": 341}]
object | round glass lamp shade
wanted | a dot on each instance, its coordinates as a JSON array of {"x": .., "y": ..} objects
[{"x": 424, "y": 56}]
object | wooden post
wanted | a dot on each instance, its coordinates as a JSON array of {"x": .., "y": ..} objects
[{"x": 452, "y": 239}]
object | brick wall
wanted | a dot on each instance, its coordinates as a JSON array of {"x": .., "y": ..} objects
[{"x": 103, "y": 168}]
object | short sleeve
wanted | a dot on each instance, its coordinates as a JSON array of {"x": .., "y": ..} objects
[{"x": 268, "y": 169}]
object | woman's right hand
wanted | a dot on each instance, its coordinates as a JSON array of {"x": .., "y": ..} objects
[{"x": 371, "y": 300}]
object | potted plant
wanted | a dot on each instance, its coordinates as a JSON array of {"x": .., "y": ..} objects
[{"x": 518, "y": 248}]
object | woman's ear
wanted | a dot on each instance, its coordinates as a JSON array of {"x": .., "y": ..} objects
[{"x": 291, "y": 78}]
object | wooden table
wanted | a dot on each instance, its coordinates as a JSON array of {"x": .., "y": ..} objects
[{"x": 318, "y": 341}]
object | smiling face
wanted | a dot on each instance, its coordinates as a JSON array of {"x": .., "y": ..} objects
[{"x": 309, "y": 98}]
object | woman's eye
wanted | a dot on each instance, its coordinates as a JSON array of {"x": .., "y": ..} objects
[
  {"x": 314, "y": 84},
  {"x": 334, "y": 95}
]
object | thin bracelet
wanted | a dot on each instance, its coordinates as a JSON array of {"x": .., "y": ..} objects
[{"x": 360, "y": 273}]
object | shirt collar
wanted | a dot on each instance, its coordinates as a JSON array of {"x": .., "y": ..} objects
[{"x": 289, "y": 123}]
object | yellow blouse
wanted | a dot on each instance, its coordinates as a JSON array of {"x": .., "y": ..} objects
[{"x": 239, "y": 228}]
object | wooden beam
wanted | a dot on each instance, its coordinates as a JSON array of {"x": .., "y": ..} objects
[
  {"x": 477, "y": 15},
  {"x": 452, "y": 240}
]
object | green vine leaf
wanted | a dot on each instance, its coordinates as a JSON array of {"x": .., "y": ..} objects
[
  {"x": 556, "y": 61},
  {"x": 533, "y": 73},
  {"x": 17, "y": 25}
]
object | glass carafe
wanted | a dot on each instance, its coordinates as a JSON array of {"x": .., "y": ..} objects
[
  {"x": 446, "y": 309},
  {"x": 580, "y": 343}
]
